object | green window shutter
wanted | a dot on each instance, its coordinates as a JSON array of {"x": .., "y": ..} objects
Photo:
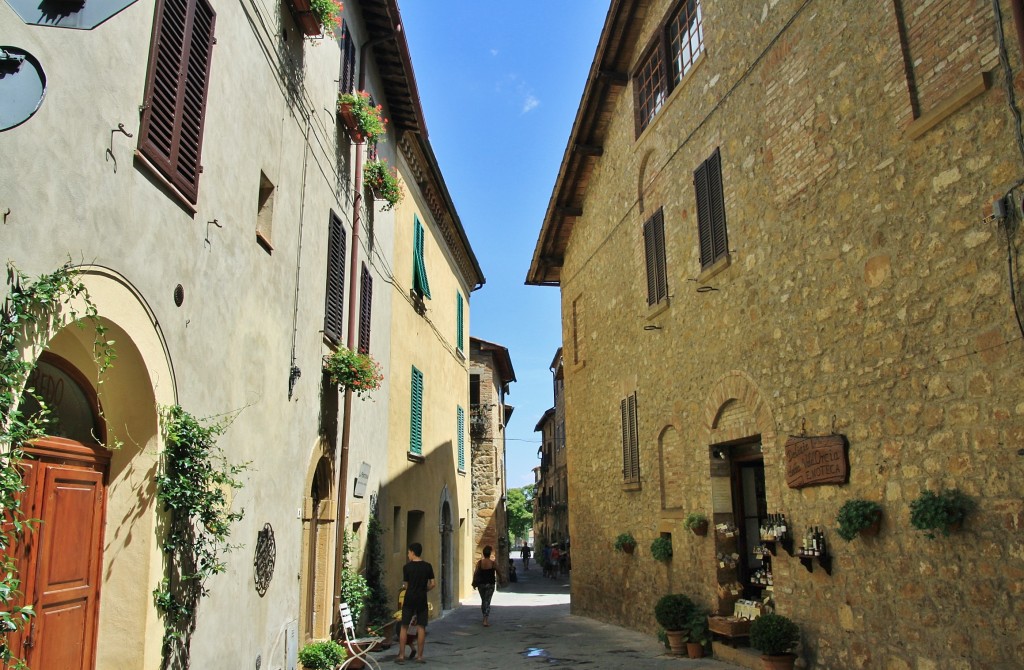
[
  {"x": 416, "y": 420},
  {"x": 459, "y": 322},
  {"x": 419, "y": 266},
  {"x": 461, "y": 427}
]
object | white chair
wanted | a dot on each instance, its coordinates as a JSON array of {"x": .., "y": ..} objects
[{"x": 358, "y": 647}]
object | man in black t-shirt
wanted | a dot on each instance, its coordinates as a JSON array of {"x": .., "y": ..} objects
[{"x": 417, "y": 579}]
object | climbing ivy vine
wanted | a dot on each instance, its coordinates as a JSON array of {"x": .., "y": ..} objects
[
  {"x": 194, "y": 485},
  {"x": 32, "y": 311}
]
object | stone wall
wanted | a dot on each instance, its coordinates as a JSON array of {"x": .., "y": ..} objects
[{"x": 866, "y": 293}]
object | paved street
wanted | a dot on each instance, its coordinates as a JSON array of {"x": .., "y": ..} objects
[{"x": 531, "y": 628}]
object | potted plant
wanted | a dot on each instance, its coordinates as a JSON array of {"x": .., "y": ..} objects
[
  {"x": 321, "y": 655},
  {"x": 775, "y": 636},
  {"x": 673, "y": 613},
  {"x": 858, "y": 516},
  {"x": 661, "y": 548},
  {"x": 625, "y": 542},
  {"x": 696, "y": 522},
  {"x": 363, "y": 119},
  {"x": 354, "y": 371},
  {"x": 697, "y": 634},
  {"x": 940, "y": 512},
  {"x": 316, "y": 16},
  {"x": 383, "y": 181}
]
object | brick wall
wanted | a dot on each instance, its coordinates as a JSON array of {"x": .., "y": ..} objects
[{"x": 865, "y": 293}]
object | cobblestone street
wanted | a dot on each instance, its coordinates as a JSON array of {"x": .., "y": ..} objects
[{"x": 531, "y": 627}]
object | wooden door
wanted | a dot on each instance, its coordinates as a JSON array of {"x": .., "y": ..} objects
[
  {"x": 59, "y": 562},
  {"x": 66, "y": 587}
]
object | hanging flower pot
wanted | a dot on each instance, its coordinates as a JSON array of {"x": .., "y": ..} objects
[
  {"x": 316, "y": 17},
  {"x": 383, "y": 182},
  {"x": 362, "y": 119},
  {"x": 353, "y": 371}
]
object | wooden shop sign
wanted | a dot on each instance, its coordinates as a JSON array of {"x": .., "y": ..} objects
[{"x": 813, "y": 461}]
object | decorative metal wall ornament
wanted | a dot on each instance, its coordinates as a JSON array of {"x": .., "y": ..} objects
[{"x": 264, "y": 560}]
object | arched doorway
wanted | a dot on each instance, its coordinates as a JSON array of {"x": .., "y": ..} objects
[
  {"x": 316, "y": 518},
  {"x": 60, "y": 562},
  {"x": 447, "y": 553}
]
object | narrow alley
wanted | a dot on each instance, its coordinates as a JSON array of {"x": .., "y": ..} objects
[{"x": 531, "y": 627}]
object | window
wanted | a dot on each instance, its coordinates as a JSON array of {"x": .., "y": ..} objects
[
  {"x": 654, "y": 253},
  {"x": 419, "y": 266},
  {"x": 459, "y": 322},
  {"x": 576, "y": 358},
  {"x": 265, "y": 214},
  {"x": 347, "y": 83},
  {"x": 677, "y": 44},
  {"x": 334, "y": 311},
  {"x": 365, "y": 309},
  {"x": 707, "y": 182},
  {"x": 630, "y": 443},
  {"x": 460, "y": 427},
  {"x": 416, "y": 420},
  {"x": 174, "y": 109}
]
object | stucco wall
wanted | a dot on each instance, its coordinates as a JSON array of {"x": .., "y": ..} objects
[
  {"x": 245, "y": 310},
  {"x": 428, "y": 342}
]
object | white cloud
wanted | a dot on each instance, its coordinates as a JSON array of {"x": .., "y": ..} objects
[
  {"x": 494, "y": 52},
  {"x": 531, "y": 103}
]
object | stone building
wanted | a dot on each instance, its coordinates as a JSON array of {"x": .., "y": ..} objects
[
  {"x": 551, "y": 502},
  {"x": 796, "y": 222},
  {"x": 187, "y": 159},
  {"x": 490, "y": 374}
]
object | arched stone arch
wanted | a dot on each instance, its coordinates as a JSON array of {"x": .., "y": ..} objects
[
  {"x": 735, "y": 409},
  {"x": 139, "y": 383},
  {"x": 672, "y": 463},
  {"x": 642, "y": 178}
]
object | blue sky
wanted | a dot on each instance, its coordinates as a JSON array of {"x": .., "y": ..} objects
[{"x": 500, "y": 84}]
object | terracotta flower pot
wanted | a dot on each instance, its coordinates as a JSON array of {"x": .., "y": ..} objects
[
  {"x": 629, "y": 548},
  {"x": 350, "y": 122},
  {"x": 700, "y": 529},
  {"x": 695, "y": 650},
  {"x": 875, "y": 526},
  {"x": 676, "y": 641},
  {"x": 779, "y": 662}
]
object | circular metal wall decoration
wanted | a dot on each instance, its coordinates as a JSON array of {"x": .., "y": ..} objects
[
  {"x": 266, "y": 556},
  {"x": 22, "y": 86},
  {"x": 179, "y": 295}
]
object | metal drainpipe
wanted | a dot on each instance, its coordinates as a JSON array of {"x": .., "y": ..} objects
[{"x": 346, "y": 425}]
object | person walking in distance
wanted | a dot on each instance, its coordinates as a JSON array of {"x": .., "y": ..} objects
[
  {"x": 485, "y": 569},
  {"x": 417, "y": 579},
  {"x": 525, "y": 556}
]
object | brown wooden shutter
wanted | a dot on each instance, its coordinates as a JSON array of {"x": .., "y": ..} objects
[
  {"x": 365, "y": 307},
  {"x": 707, "y": 182},
  {"x": 173, "y": 117},
  {"x": 624, "y": 416},
  {"x": 630, "y": 440},
  {"x": 654, "y": 252},
  {"x": 720, "y": 238},
  {"x": 703, "y": 192},
  {"x": 649, "y": 256},
  {"x": 347, "y": 83},
  {"x": 334, "y": 310}
]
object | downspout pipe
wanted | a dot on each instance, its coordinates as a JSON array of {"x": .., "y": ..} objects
[{"x": 350, "y": 338}]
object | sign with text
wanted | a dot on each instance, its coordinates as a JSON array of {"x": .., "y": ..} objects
[{"x": 813, "y": 461}]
